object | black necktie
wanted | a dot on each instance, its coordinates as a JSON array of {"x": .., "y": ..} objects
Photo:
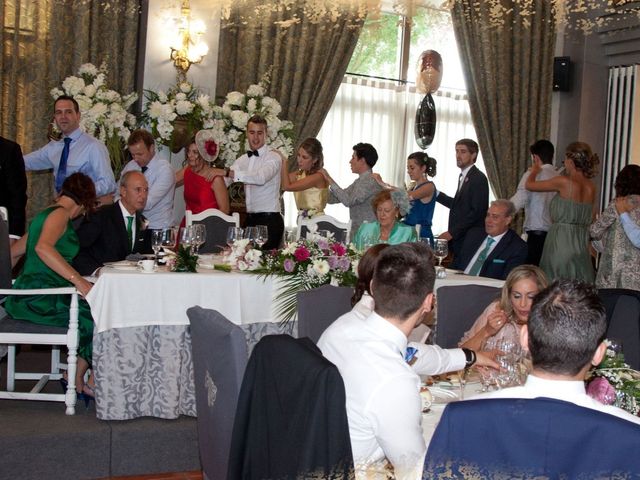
[
  {"x": 144, "y": 169},
  {"x": 250, "y": 153}
]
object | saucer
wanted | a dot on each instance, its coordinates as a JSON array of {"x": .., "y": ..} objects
[{"x": 148, "y": 271}]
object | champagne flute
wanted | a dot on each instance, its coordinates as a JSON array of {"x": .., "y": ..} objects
[
  {"x": 156, "y": 242},
  {"x": 262, "y": 235}
]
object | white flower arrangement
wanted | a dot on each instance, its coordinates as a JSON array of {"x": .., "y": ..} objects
[
  {"x": 183, "y": 101},
  {"x": 231, "y": 118},
  {"x": 243, "y": 256},
  {"x": 103, "y": 112}
]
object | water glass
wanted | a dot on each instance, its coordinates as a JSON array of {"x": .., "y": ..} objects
[
  {"x": 156, "y": 242},
  {"x": 169, "y": 238},
  {"x": 233, "y": 234},
  {"x": 186, "y": 237},
  {"x": 262, "y": 235},
  {"x": 199, "y": 236},
  {"x": 251, "y": 233}
]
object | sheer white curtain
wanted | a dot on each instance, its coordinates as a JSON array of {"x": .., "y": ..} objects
[{"x": 382, "y": 113}]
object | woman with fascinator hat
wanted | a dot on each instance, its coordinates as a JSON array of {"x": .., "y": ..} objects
[{"x": 389, "y": 206}]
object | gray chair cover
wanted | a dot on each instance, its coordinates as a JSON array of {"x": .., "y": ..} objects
[
  {"x": 219, "y": 360},
  {"x": 216, "y": 239},
  {"x": 318, "y": 308},
  {"x": 623, "y": 320},
  {"x": 458, "y": 306}
]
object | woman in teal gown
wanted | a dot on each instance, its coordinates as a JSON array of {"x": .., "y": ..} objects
[
  {"x": 388, "y": 206},
  {"x": 566, "y": 248},
  {"x": 48, "y": 247}
]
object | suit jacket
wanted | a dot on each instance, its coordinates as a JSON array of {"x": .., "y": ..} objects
[
  {"x": 13, "y": 185},
  {"x": 510, "y": 252},
  {"x": 103, "y": 238},
  {"x": 468, "y": 208}
]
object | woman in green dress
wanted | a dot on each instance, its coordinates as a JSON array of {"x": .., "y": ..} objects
[
  {"x": 566, "y": 248},
  {"x": 48, "y": 247},
  {"x": 389, "y": 206}
]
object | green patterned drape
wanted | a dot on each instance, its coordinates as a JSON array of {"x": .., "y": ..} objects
[
  {"x": 508, "y": 70},
  {"x": 307, "y": 61},
  {"x": 42, "y": 43}
]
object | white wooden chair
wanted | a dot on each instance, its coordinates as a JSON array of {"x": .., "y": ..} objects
[
  {"x": 16, "y": 332},
  {"x": 216, "y": 224},
  {"x": 341, "y": 231}
]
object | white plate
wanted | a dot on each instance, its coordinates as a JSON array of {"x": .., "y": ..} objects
[{"x": 129, "y": 268}]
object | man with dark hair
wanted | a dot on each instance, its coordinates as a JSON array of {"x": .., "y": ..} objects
[
  {"x": 76, "y": 151},
  {"x": 359, "y": 194},
  {"x": 259, "y": 170},
  {"x": 469, "y": 205},
  {"x": 565, "y": 337},
  {"x": 114, "y": 231},
  {"x": 159, "y": 174},
  {"x": 13, "y": 187},
  {"x": 537, "y": 219}
]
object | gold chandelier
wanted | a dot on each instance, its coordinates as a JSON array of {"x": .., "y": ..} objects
[{"x": 187, "y": 47}]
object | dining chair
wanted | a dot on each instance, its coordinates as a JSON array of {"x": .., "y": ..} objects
[
  {"x": 623, "y": 321},
  {"x": 320, "y": 307},
  {"x": 341, "y": 231},
  {"x": 17, "y": 332},
  {"x": 291, "y": 420},
  {"x": 530, "y": 438},
  {"x": 457, "y": 307},
  {"x": 216, "y": 224},
  {"x": 219, "y": 361}
]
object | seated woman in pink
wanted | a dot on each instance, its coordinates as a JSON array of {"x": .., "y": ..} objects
[
  {"x": 201, "y": 190},
  {"x": 511, "y": 309}
]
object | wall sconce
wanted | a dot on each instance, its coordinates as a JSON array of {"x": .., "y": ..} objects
[{"x": 187, "y": 47}]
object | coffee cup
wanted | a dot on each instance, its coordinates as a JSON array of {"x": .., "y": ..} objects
[{"x": 146, "y": 265}]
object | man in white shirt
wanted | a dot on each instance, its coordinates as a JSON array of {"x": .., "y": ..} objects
[
  {"x": 160, "y": 177},
  {"x": 537, "y": 219},
  {"x": 259, "y": 170},
  {"x": 76, "y": 151},
  {"x": 565, "y": 337},
  {"x": 383, "y": 392}
]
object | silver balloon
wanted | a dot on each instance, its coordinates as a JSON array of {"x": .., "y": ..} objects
[{"x": 425, "y": 129}]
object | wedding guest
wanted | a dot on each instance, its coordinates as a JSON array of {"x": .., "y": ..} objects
[
  {"x": 359, "y": 194},
  {"x": 388, "y": 206},
  {"x": 468, "y": 207},
  {"x": 537, "y": 219},
  {"x": 49, "y": 247},
  {"x": 512, "y": 308},
  {"x": 618, "y": 267},
  {"x": 76, "y": 151},
  {"x": 13, "y": 187},
  {"x": 631, "y": 228},
  {"x": 115, "y": 230},
  {"x": 566, "y": 248},
  {"x": 259, "y": 170},
  {"x": 160, "y": 178},
  {"x": 309, "y": 187},
  {"x": 494, "y": 250},
  {"x": 565, "y": 337},
  {"x": 200, "y": 191}
]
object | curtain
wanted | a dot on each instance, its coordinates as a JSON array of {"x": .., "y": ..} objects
[
  {"x": 507, "y": 62},
  {"x": 306, "y": 60},
  {"x": 44, "y": 41}
]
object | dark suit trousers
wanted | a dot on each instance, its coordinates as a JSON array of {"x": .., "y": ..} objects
[
  {"x": 535, "y": 242},
  {"x": 275, "y": 226}
]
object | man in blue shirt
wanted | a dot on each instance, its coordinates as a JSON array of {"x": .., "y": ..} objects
[
  {"x": 624, "y": 205},
  {"x": 76, "y": 151}
]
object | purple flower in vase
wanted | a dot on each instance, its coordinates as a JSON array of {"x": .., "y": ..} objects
[
  {"x": 600, "y": 389},
  {"x": 344, "y": 263},
  {"x": 289, "y": 265},
  {"x": 333, "y": 262},
  {"x": 323, "y": 244}
]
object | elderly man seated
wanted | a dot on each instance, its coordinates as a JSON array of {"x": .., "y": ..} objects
[
  {"x": 116, "y": 230},
  {"x": 495, "y": 250}
]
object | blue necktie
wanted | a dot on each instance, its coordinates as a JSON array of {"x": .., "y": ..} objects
[
  {"x": 477, "y": 266},
  {"x": 62, "y": 168}
]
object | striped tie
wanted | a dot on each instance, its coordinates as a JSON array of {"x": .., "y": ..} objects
[{"x": 475, "y": 270}]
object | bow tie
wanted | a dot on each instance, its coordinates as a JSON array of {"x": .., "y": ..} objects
[{"x": 250, "y": 153}]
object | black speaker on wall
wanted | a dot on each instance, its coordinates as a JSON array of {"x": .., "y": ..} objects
[{"x": 561, "y": 74}]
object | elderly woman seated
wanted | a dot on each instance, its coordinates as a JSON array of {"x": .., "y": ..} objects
[{"x": 389, "y": 206}]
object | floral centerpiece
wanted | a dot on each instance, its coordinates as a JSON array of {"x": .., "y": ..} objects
[
  {"x": 613, "y": 382},
  {"x": 231, "y": 122},
  {"x": 103, "y": 111},
  {"x": 176, "y": 115}
]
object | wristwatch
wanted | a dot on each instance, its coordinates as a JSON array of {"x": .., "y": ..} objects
[{"x": 470, "y": 355}]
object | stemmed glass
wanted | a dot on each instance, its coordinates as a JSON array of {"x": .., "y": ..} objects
[
  {"x": 156, "y": 242},
  {"x": 262, "y": 235},
  {"x": 233, "y": 234},
  {"x": 440, "y": 251},
  {"x": 199, "y": 236},
  {"x": 169, "y": 238},
  {"x": 250, "y": 233},
  {"x": 186, "y": 237}
]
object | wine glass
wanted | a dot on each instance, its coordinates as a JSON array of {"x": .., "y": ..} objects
[
  {"x": 233, "y": 234},
  {"x": 251, "y": 233},
  {"x": 199, "y": 236},
  {"x": 156, "y": 242},
  {"x": 440, "y": 251},
  {"x": 186, "y": 237},
  {"x": 262, "y": 235},
  {"x": 169, "y": 238}
]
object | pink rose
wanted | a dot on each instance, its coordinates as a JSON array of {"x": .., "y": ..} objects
[
  {"x": 600, "y": 389},
  {"x": 301, "y": 254}
]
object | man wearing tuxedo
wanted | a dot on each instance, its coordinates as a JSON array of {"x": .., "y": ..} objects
[
  {"x": 493, "y": 250},
  {"x": 469, "y": 205},
  {"x": 115, "y": 230},
  {"x": 13, "y": 187}
]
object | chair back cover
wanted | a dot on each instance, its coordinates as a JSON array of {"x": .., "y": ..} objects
[
  {"x": 623, "y": 321},
  {"x": 318, "y": 308},
  {"x": 458, "y": 306},
  {"x": 219, "y": 360},
  {"x": 216, "y": 224},
  {"x": 340, "y": 230},
  {"x": 291, "y": 420},
  {"x": 531, "y": 438}
]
